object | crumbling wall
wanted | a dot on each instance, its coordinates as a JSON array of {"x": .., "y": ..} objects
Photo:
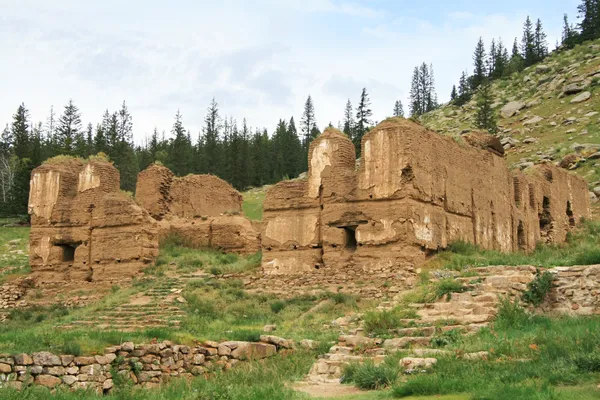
[
  {"x": 415, "y": 192},
  {"x": 203, "y": 210},
  {"x": 83, "y": 227}
]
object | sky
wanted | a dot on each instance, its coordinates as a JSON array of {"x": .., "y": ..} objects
[{"x": 259, "y": 59}]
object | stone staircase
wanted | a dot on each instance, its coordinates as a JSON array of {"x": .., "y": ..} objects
[
  {"x": 465, "y": 312},
  {"x": 156, "y": 307}
]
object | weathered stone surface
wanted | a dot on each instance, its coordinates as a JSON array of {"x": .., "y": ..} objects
[
  {"x": 585, "y": 96},
  {"x": 5, "y": 368},
  {"x": 47, "y": 380},
  {"x": 413, "y": 364},
  {"x": 128, "y": 346},
  {"x": 277, "y": 341},
  {"x": 23, "y": 359},
  {"x": 253, "y": 351},
  {"x": 512, "y": 108},
  {"x": 69, "y": 379},
  {"x": 533, "y": 120},
  {"x": 46, "y": 359}
]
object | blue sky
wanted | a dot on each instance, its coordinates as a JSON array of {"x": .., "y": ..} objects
[{"x": 259, "y": 59}]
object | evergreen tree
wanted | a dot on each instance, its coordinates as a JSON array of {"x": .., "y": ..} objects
[
  {"x": 569, "y": 34},
  {"x": 486, "y": 117},
  {"x": 491, "y": 61},
  {"x": 69, "y": 127},
  {"x": 363, "y": 119},
  {"x": 540, "y": 42},
  {"x": 501, "y": 60},
  {"x": 479, "y": 60},
  {"x": 348, "y": 127},
  {"x": 416, "y": 94},
  {"x": 398, "y": 109},
  {"x": 179, "y": 149},
  {"x": 516, "y": 62},
  {"x": 20, "y": 133},
  {"x": 453, "y": 93},
  {"x": 211, "y": 139},
  {"x": 464, "y": 90},
  {"x": 422, "y": 92},
  {"x": 307, "y": 123},
  {"x": 589, "y": 12},
  {"x": 528, "y": 43}
]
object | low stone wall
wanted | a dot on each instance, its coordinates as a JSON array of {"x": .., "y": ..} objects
[
  {"x": 147, "y": 365},
  {"x": 576, "y": 291}
]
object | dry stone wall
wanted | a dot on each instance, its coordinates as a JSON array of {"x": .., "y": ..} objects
[
  {"x": 83, "y": 227},
  {"x": 201, "y": 209},
  {"x": 147, "y": 365},
  {"x": 414, "y": 193}
]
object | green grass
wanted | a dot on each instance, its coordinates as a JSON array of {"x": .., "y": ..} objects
[
  {"x": 11, "y": 262},
  {"x": 581, "y": 248},
  {"x": 253, "y": 204}
]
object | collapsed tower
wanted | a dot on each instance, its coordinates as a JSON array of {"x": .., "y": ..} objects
[
  {"x": 203, "y": 210},
  {"x": 414, "y": 193},
  {"x": 83, "y": 227}
]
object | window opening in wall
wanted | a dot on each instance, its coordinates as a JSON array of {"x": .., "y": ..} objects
[
  {"x": 67, "y": 252},
  {"x": 521, "y": 237},
  {"x": 545, "y": 217},
  {"x": 570, "y": 214},
  {"x": 350, "y": 242}
]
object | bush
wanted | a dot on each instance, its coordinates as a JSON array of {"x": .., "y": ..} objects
[
  {"x": 588, "y": 362},
  {"x": 277, "y": 306},
  {"x": 538, "y": 288},
  {"x": 447, "y": 287},
  {"x": 368, "y": 376},
  {"x": 510, "y": 313},
  {"x": 343, "y": 298},
  {"x": 71, "y": 348},
  {"x": 447, "y": 338},
  {"x": 381, "y": 323}
]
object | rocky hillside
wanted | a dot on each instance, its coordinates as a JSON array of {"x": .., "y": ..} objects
[{"x": 549, "y": 111}]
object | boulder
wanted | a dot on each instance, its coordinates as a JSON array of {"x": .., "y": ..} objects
[
  {"x": 594, "y": 156},
  {"x": 542, "y": 69},
  {"x": 512, "y": 108},
  {"x": 569, "y": 160},
  {"x": 596, "y": 190},
  {"x": 47, "y": 380},
  {"x": 533, "y": 120},
  {"x": 593, "y": 198},
  {"x": 484, "y": 141},
  {"x": 277, "y": 341},
  {"x": 253, "y": 351},
  {"x": 573, "y": 88},
  {"x": 585, "y": 96}
]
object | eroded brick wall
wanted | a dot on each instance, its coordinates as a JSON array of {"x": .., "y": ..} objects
[
  {"x": 414, "y": 193},
  {"x": 83, "y": 227}
]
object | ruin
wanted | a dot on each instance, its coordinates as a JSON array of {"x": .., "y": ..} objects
[
  {"x": 414, "y": 193},
  {"x": 203, "y": 210},
  {"x": 83, "y": 227}
]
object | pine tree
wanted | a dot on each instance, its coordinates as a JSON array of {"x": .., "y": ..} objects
[
  {"x": 501, "y": 60},
  {"x": 453, "y": 94},
  {"x": 348, "y": 127},
  {"x": 491, "y": 61},
  {"x": 430, "y": 94},
  {"x": 211, "y": 138},
  {"x": 540, "y": 42},
  {"x": 363, "y": 119},
  {"x": 307, "y": 123},
  {"x": 179, "y": 149},
  {"x": 398, "y": 109},
  {"x": 516, "y": 62},
  {"x": 479, "y": 60},
  {"x": 569, "y": 34},
  {"x": 416, "y": 94},
  {"x": 464, "y": 90},
  {"x": 528, "y": 43},
  {"x": 485, "y": 117},
  {"x": 20, "y": 133},
  {"x": 69, "y": 127},
  {"x": 589, "y": 12}
]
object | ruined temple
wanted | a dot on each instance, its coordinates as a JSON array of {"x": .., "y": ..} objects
[
  {"x": 83, "y": 227},
  {"x": 414, "y": 192},
  {"x": 203, "y": 210}
]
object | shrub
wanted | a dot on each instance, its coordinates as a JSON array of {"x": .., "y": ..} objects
[
  {"x": 343, "y": 298},
  {"x": 368, "y": 376},
  {"x": 538, "y": 288},
  {"x": 588, "y": 362},
  {"x": 447, "y": 338},
  {"x": 277, "y": 306},
  {"x": 382, "y": 322},
  {"x": 447, "y": 287},
  {"x": 71, "y": 348},
  {"x": 462, "y": 247},
  {"x": 510, "y": 313}
]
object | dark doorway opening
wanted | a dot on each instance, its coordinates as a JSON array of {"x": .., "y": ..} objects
[
  {"x": 521, "y": 241},
  {"x": 67, "y": 252},
  {"x": 545, "y": 217},
  {"x": 350, "y": 242},
  {"x": 570, "y": 214}
]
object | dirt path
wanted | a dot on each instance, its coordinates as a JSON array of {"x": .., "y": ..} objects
[{"x": 326, "y": 390}]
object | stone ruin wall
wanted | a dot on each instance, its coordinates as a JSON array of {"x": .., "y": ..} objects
[
  {"x": 414, "y": 193},
  {"x": 204, "y": 210},
  {"x": 145, "y": 365},
  {"x": 83, "y": 227}
]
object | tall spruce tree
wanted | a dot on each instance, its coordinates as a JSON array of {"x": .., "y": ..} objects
[
  {"x": 464, "y": 90},
  {"x": 528, "y": 43},
  {"x": 307, "y": 123},
  {"x": 20, "y": 133},
  {"x": 486, "y": 117},
  {"x": 348, "y": 125},
  {"x": 479, "y": 61},
  {"x": 416, "y": 94},
  {"x": 589, "y": 13},
  {"x": 212, "y": 156},
  {"x": 363, "y": 119},
  {"x": 540, "y": 42},
  {"x": 398, "y": 109},
  {"x": 453, "y": 94},
  {"x": 69, "y": 127}
]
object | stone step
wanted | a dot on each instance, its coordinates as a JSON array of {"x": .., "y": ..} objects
[
  {"x": 406, "y": 342},
  {"x": 415, "y": 332}
]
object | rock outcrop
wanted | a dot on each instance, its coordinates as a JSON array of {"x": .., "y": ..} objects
[
  {"x": 414, "y": 193},
  {"x": 83, "y": 227},
  {"x": 203, "y": 210}
]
